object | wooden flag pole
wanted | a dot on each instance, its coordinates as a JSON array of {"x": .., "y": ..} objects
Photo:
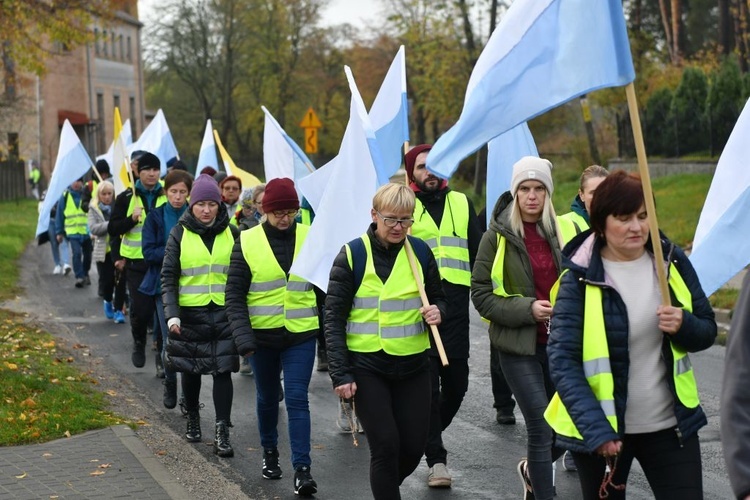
[
  {"x": 425, "y": 301},
  {"x": 648, "y": 194},
  {"x": 98, "y": 175}
]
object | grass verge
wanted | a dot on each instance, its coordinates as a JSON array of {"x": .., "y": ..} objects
[{"x": 44, "y": 394}]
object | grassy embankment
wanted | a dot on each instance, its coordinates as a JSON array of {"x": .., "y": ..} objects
[{"x": 44, "y": 393}]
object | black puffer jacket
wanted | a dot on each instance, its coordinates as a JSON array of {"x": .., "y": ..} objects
[
  {"x": 205, "y": 344},
  {"x": 582, "y": 256},
  {"x": 339, "y": 300},
  {"x": 246, "y": 337}
]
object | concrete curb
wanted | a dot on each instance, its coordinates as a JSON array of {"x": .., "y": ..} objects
[{"x": 152, "y": 464}]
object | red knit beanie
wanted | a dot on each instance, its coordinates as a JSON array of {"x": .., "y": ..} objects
[
  {"x": 280, "y": 195},
  {"x": 411, "y": 158}
]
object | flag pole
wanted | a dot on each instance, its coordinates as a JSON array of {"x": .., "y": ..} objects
[
  {"x": 648, "y": 195},
  {"x": 98, "y": 175},
  {"x": 425, "y": 301}
]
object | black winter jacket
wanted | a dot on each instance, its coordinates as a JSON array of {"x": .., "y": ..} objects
[
  {"x": 205, "y": 344},
  {"x": 246, "y": 337},
  {"x": 341, "y": 361},
  {"x": 582, "y": 256},
  {"x": 120, "y": 223},
  {"x": 454, "y": 331}
]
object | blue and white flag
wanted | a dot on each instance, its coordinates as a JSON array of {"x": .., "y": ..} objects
[
  {"x": 721, "y": 247},
  {"x": 71, "y": 164},
  {"x": 542, "y": 54},
  {"x": 389, "y": 118},
  {"x": 207, "y": 156},
  {"x": 344, "y": 210},
  {"x": 282, "y": 157},
  {"x": 157, "y": 139},
  {"x": 389, "y": 115},
  {"x": 502, "y": 152}
]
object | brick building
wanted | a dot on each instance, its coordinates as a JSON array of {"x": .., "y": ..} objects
[{"x": 83, "y": 85}]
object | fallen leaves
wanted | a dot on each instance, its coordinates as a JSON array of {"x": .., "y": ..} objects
[
  {"x": 11, "y": 366},
  {"x": 22, "y": 476}
]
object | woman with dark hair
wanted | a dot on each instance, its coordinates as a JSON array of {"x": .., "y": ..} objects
[
  {"x": 193, "y": 280},
  {"x": 517, "y": 263},
  {"x": 156, "y": 229},
  {"x": 619, "y": 357}
]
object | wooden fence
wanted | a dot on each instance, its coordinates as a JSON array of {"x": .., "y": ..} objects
[{"x": 13, "y": 183}]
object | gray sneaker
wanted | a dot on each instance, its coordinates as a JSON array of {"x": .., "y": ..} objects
[
  {"x": 439, "y": 477},
  {"x": 568, "y": 463}
]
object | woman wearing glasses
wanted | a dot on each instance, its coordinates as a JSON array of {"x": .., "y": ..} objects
[
  {"x": 275, "y": 315},
  {"x": 377, "y": 337}
]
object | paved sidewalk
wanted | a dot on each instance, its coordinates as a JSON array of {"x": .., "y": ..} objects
[{"x": 108, "y": 463}]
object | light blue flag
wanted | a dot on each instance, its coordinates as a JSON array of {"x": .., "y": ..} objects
[
  {"x": 282, "y": 157},
  {"x": 344, "y": 210},
  {"x": 389, "y": 118},
  {"x": 72, "y": 163},
  {"x": 721, "y": 247},
  {"x": 157, "y": 139},
  {"x": 207, "y": 156},
  {"x": 542, "y": 54},
  {"x": 503, "y": 151}
]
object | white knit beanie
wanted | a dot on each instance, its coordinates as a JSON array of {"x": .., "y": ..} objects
[{"x": 531, "y": 168}]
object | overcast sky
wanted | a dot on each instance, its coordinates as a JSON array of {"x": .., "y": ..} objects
[{"x": 357, "y": 12}]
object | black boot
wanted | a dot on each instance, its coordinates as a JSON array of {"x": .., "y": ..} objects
[
  {"x": 193, "y": 433},
  {"x": 221, "y": 441},
  {"x": 170, "y": 393},
  {"x": 159, "y": 366},
  {"x": 139, "y": 354}
]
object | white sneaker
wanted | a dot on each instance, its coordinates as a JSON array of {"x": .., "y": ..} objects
[
  {"x": 57, "y": 270},
  {"x": 67, "y": 269},
  {"x": 439, "y": 477}
]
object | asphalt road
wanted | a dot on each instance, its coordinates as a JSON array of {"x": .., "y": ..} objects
[{"x": 482, "y": 454}]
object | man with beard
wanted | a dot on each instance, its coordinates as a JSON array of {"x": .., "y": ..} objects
[{"x": 446, "y": 220}]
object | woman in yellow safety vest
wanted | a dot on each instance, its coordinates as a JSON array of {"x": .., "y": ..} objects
[
  {"x": 275, "y": 315},
  {"x": 619, "y": 358},
  {"x": 194, "y": 277},
  {"x": 517, "y": 263},
  {"x": 377, "y": 337},
  {"x": 577, "y": 220}
]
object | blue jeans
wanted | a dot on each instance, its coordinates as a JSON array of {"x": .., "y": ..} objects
[
  {"x": 528, "y": 378},
  {"x": 168, "y": 374},
  {"x": 60, "y": 251},
  {"x": 297, "y": 363},
  {"x": 81, "y": 248}
]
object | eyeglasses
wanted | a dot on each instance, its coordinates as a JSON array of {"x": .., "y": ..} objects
[
  {"x": 280, "y": 214},
  {"x": 392, "y": 222}
]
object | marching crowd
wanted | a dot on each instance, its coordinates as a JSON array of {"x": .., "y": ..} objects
[{"x": 579, "y": 334}]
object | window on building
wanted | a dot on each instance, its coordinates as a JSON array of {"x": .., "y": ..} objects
[
  {"x": 105, "y": 43},
  {"x": 117, "y": 101},
  {"x": 130, "y": 50},
  {"x": 133, "y": 114},
  {"x": 96, "y": 41},
  {"x": 100, "y": 119},
  {"x": 114, "y": 46},
  {"x": 122, "y": 48},
  {"x": 13, "y": 145}
]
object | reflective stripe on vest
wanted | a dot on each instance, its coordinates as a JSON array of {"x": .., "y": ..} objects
[
  {"x": 597, "y": 367},
  {"x": 386, "y": 315},
  {"x": 76, "y": 221},
  {"x": 273, "y": 300},
  {"x": 131, "y": 241},
  {"x": 570, "y": 225},
  {"x": 203, "y": 275},
  {"x": 449, "y": 243}
]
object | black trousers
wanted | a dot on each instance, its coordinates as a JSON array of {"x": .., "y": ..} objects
[
  {"x": 673, "y": 468},
  {"x": 501, "y": 391},
  {"x": 110, "y": 289},
  {"x": 449, "y": 385},
  {"x": 395, "y": 415},
  {"x": 141, "y": 305},
  {"x": 223, "y": 393}
]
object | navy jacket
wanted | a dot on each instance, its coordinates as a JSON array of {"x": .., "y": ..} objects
[{"x": 698, "y": 331}]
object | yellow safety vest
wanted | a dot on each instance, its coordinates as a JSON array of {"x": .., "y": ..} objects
[
  {"x": 203, "y": 274},
  {"x": 385, "y": 316},
  {"x": 497, "y": 274},
  {"x": 131, "y": 241},
  {"x": 76, "y": 220},
  {"x": 305, "y": 216},
  {"x": 596, "y": 365},
  {"x": 275, "y": 300},
  {"x": 449, "y": 243},
  {"x": 570, "y": 225}
]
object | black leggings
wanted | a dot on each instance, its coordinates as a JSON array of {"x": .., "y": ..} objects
[
  {"x": 110, "y": 288},
  {"x": 223, "y": 393},
  {"x": 673, "y": 469},
  {"x": 449, "y": 385},
  {"x": 141, "y": 305},
  {"x": 394, "y": 414}
]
